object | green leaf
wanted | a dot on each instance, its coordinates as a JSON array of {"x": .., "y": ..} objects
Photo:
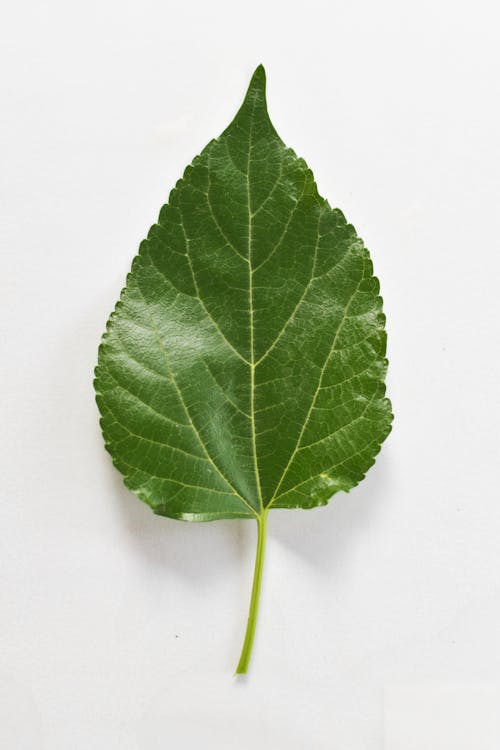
[{"x": 243, "y": 367}]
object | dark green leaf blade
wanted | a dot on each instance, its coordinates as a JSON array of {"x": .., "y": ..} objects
[{"x": 244, "y": 366}]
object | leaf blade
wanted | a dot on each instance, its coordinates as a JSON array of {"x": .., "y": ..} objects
[{"x": 252, "y": 321}]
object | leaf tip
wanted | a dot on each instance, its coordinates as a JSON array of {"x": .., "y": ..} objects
[
  {"x": 259, "y": 71},
  {"x": 258, "y": 82}
]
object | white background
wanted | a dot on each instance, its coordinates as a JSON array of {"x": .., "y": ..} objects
[{"x": 121, "y": 630}]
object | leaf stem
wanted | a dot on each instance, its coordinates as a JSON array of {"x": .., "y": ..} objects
[{"x": 254, "y": 601}]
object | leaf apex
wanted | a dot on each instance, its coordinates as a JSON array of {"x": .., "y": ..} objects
[{"x": 257, "y": 83}]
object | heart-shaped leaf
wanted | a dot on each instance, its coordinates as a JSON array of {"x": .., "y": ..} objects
[{"x": 243, "y": 367}]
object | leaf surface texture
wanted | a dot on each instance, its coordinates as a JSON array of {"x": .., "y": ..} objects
[{"x": 243, "y": 367}]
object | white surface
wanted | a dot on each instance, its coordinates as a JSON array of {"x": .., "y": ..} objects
[
  {"x": 121, "y": 630},
  {"x": 442, "y": 717}
]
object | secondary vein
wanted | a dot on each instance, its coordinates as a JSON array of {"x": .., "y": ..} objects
[
  {"x": 315, "y": 396},
  {"x": 184, "y": 405}
]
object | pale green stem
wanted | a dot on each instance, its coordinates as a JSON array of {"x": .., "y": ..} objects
[{"x": 254, "y": 601}]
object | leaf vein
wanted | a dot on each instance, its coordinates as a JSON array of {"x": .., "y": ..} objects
[
  {"x": 188, "y": 415},
  {"x": 323, "y": 369}
]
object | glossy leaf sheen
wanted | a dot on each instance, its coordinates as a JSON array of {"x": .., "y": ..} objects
[{"x": 243, "y": 366}]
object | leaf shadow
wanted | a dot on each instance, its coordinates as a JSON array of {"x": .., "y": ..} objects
[
  {"x": 323, "y": 536},
  {"x": 195, "y": 551}
]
